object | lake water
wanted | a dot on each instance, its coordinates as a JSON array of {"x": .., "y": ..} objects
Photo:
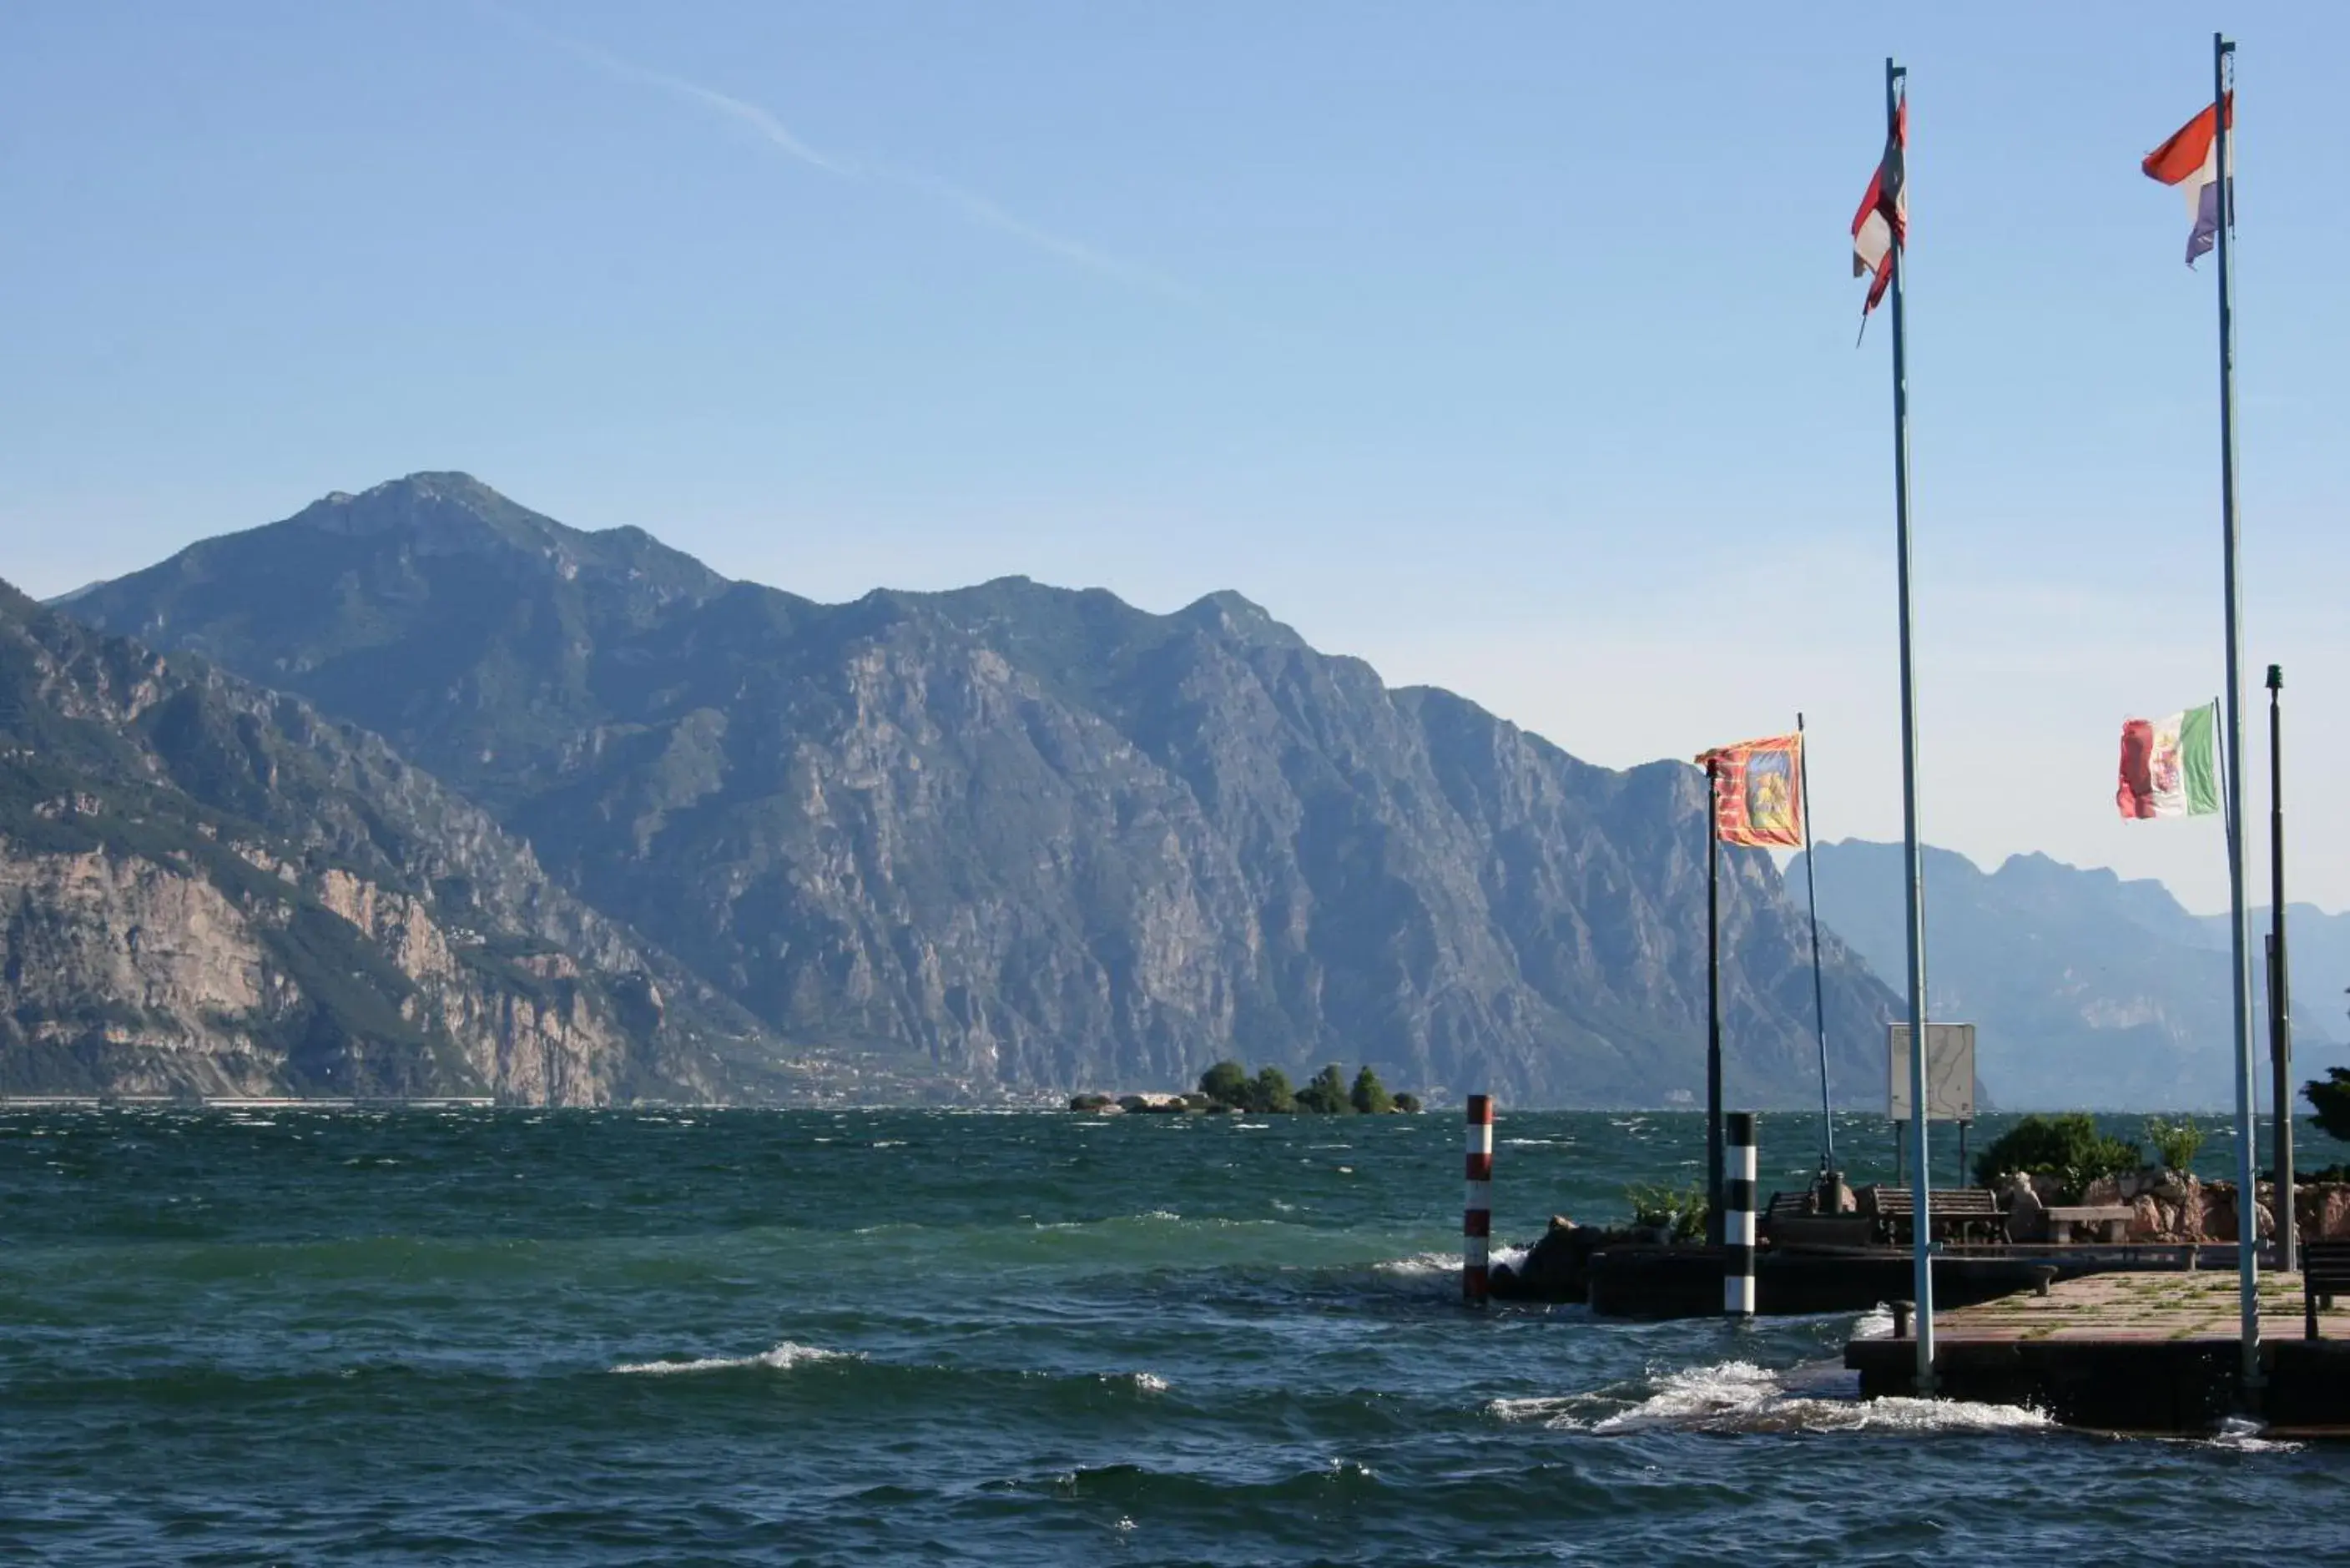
[{"x": 775, "y": 1338}]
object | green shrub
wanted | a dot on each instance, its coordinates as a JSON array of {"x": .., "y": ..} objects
[
  {"x": 2175, "y": 1144},
  {"x": 2068, "y": 1148},
  {"x": 1408, "y": 1104},
  {"x": 1226, "y": 1083},
  {"x": 1271, "y": 1092},
  {"x": 1369, "y": 1096},
  {"x": 2331, "y": 1100},
  {"x": 1680, "y": 1212}
]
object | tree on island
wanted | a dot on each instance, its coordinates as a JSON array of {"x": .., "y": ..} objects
[
  {"x": 2330, "y": 1098},
  {"x": 1271, "y": 1092},
  {"x": 1226, "y": 1083},
  {"x": 1326, "y": 1094},
  {"x": 1408, "y": 1104}
]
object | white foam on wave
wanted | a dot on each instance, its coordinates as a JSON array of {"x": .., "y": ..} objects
[
  {"x": 1876, "y": 1322},
  {"x": 1544, "y": 1411},
  {"x": 1448, "y": 1262},
  {"x": 780, "y": 1358},
  {"x": 1144, "y": 1382},
  {"x": 1419, "y": 1263},
  {"x": 1738, "y": 1396},
  {"x": 2241, "y": 1435}
]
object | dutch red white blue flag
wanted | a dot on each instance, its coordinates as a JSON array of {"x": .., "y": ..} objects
[{"x": 2189, "y": 161}]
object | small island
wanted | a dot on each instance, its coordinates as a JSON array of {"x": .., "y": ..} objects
[{"x": 1227, "y": 1088}]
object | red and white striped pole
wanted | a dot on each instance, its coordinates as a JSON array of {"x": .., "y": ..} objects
[{"x": 1477, "y": 1223}]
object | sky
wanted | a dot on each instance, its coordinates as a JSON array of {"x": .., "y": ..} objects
[{"x": 1508, "y": 347}]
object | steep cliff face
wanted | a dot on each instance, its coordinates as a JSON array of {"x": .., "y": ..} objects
[
  {"x": 204, "y": 888},
  {"x": 1033, "y": 837}
]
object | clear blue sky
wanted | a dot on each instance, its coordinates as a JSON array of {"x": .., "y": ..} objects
[{"x": 1509, "y": 346}]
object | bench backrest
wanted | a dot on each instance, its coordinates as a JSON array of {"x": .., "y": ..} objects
[
  {"x": 1960, "y": 1202},
  {"x": 2325, "y": 1266}
]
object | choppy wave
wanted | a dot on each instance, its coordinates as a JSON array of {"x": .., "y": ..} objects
[
  {"x": 781, "y": 1357},
  {"x": 2244, "y": 1436},
  {"x": 1738, "y": 1396}
]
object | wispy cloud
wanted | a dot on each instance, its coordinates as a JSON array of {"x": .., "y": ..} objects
[
  {"x": 971, "y": 205},
  {"x": 988, "y": 213},
  {"x": 774, "y": 131}
]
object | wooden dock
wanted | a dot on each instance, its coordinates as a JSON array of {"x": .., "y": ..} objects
[{"x": 2132, "y": 1352}]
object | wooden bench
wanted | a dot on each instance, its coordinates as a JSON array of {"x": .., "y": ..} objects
[
  {"x": 2114, "y": 1219},
  {"x": 1961, "y": 1211},
  {"x": 2324, "y": 1275},
  {"x": 1796, "y": 1221}
]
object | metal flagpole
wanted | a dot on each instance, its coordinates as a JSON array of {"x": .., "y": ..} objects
[
  {"x": 1714, "y": 1170},
  {"x": 2279, "y": 985},
  {"x": 1819, "y": 995},
  {"x": 2248, "y": 1264},
  {"x": 1921, "y": 1223}
]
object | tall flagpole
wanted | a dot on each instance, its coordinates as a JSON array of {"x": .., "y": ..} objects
[
  {"x": 2248, "y": 1264},
  {"x": 1921, "y": 1228},
  {"x": 1819, "y": 993},
  {"x": 1714, "y": 1128}
]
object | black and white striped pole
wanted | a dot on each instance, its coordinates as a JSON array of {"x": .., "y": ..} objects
[
  {"x": 1738, "y": 1216},
  {"x": 1477, "y": 1217}
]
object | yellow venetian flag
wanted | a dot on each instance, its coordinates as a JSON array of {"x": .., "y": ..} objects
[{"x": 1758, "y": 799}]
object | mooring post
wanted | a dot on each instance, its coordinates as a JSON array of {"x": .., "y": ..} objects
[
  {"x": 1477, "y": 1220},
  {"x": 1738, "y": 1217}
]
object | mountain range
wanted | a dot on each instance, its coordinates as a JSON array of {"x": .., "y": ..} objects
[
  {"x": 2086, "y": 990},
  {"x": 208, "y": 888},
  {"x": 1006, "y": 840}
]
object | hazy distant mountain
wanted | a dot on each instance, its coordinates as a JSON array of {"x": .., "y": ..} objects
[
  {"x": 2317, "y": 947},
  {"x": 206, "y": 887},
  {"x": 2087, "y": 991},
  {"x": 1034, "y": 838}
]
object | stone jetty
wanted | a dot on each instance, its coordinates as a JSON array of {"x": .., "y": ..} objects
[{"x": 2133, "y": 1352}]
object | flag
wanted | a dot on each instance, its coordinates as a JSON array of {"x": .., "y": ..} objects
[
  {"x": 1881, "y": 227},
  {"x": 2190, "y": 160},
  {"x": 2170, "y": 767},
  {"x": 1758, "y": 797}
]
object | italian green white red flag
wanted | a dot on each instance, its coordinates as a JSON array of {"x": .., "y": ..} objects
[{"x": 2170, "y": 767}]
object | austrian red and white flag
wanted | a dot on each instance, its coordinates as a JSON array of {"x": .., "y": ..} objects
[
  {"x": 1881, "y": 227},
  {"x": 2189, "y": 162}
]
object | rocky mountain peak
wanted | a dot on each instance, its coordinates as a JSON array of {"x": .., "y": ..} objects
[
  {"x": 448, "y": 512},
  {"x": 1238, "y": 617}
]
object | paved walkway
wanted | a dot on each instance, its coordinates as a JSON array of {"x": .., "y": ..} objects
[{"x": 2139, "y": 1307}]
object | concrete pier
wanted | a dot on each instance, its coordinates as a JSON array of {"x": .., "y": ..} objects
[{"x": 2134, "y": 1353}]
